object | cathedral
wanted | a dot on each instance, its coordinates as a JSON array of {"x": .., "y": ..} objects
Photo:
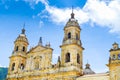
[{"x": 36, "y": 63}]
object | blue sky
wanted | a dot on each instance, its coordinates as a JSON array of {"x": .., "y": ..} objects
[{"x": 99, "y": 20}]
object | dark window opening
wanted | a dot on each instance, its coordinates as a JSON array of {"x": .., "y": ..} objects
[
  {"x": 22, "y": 66},
  {"x": 113, "y": 57},
  {"x": 78, "y": 58},
  {"x": 23, "y": 49},
  {"x": 13, "y": 67},
  {"x": 69, "y": 35},
  {"x": 77, "y": 37},
  {"x": 17, "y": 48},
  {"x": 67, "y": 57}
]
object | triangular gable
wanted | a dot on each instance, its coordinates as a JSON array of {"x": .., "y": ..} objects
[{"x": 37, "y": 49}]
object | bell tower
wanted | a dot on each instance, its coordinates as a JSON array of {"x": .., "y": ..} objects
[
  {"x": 18, "y": 57},
  {"x": 114, "y": 62},
  {"x": 71, "y": 48}
]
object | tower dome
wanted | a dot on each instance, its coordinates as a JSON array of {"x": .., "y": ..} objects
[
  {"x": 22, "y": 37},
  {"x": 72, "y": 22},
  {"x": 88, "y": 70}
]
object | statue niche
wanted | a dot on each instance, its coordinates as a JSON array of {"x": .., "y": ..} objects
[{"x": 37, "y": 61}]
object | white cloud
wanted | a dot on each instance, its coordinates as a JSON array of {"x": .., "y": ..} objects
[
  {"x": 59, "y": 16},
  {"x": 3, "y": 66},
  {"x": 105, "y": 13},
  {"x": 43, "y": 1},
  {"x": 41, "y": 24},
  {"x": 0, "y": 65},
  {"x": 33, "y": 2},
  {"x": 55, "y": 57},
  {"x": 62, "y": 15}
]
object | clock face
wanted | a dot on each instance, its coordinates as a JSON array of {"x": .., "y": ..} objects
[{"x": 119, "y": 56}]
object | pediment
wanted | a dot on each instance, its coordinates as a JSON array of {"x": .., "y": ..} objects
[{"x": 37, "y": 49}]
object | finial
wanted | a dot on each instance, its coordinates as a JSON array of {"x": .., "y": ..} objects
[
  {"x": 40, "y": 41},
  {"x": 58, "y": 58},
  {"x": 87, "y": 62},
  {"x": 115, "y": 45},
  {"x": 72, "y": 9},
  {"x": 87, "y": 65},
  {"x": 23, "y": 30},
  {"x": 59, "y": 63},
  {"x": 48, "y": 45},
  {"x": 72, "y": 14},
  {"x": 109, "y": 59}
]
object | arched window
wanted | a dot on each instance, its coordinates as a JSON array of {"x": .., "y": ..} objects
[
  {"x": 22, "y": 66},
  {"x": 17, "y": 48},
  {"x": 13, "y": 67},
  {"x": 113, "y": 57},
  {"x": 119, "y": 56},
  {"x": 78, "y": 58},
  {"x": 67, "y": 57},
  {"x": 69, "y": 35},
  {"x": 77, "y": 37},
  {"x": 23, "y": 49}
]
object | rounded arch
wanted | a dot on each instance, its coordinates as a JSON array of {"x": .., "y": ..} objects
[
  {"x": 77, "y": 38},
  {"x": 69, "y": 35},
  {"x": 78, "y": 58},
  {"x": 13, "y": 67},
  {"x": 23, "y": 48},
  {"x": 22, "y": 66},
  {"x": 16, "y": 48},
  {"x": 67, "y": 57}
]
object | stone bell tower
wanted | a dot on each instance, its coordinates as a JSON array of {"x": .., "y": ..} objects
[
  {"x": 18, "y": 57},
  {"x": 71, "y": 48},
  {"x": 114, "y": 62}
]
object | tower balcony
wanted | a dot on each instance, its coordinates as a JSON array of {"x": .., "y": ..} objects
[{"x": 71, "y": 41}]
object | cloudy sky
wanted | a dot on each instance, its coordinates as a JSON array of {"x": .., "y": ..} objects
[{"x": 99, "y": 20}]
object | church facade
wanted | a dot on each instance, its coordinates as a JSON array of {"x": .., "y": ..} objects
[{"x": 36, "y": 64}]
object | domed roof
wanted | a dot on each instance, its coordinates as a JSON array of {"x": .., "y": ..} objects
[
  {"x": 72, "y": 22},
  {"x": 115, "y": 43},
  {"x": 88, "y": 70},
  {"x": 22, "y": 37}
]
